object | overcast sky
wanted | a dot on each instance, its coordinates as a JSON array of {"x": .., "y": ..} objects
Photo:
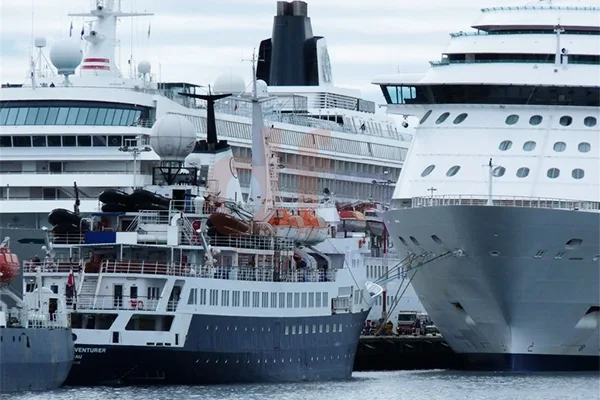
[{"x": 196, "y": 40}]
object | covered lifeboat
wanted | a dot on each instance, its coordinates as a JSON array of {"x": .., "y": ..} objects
[
  {"x": 289, "y": 226},
  {"x": 9, "y": 263},
  {"x": 316, "y": 227}
]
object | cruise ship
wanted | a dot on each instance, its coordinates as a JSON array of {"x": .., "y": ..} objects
[
  {"x": 83, "y": 121},
  {"x": 501, "y": 193}
]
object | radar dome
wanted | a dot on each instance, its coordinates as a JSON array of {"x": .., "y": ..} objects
[
  {"x": 144, "y": 67},
  {"x": 262, "y": 89},
  {"x": 66, "y": 56},
  {"x": 228, "y": 82},
  {"x": 173, "y": 137},
  {"x": 40, "y": 42}
]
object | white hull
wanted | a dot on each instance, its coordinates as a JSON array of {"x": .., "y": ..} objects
[{"x": 509, "y": 302}]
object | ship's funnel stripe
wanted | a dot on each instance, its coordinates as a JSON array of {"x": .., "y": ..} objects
[
  {"x": 102, "y": 67},
  {"x": 96, "y": 60}
]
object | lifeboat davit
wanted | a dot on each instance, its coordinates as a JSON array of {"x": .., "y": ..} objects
[
  {"x": 316, "y": 227},
  {"x": 9, "y": 265},
  {"x": 352, "y": 221},
  {"x": 289, "y": 226}
]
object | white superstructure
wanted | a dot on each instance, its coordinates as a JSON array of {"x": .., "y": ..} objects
[
  {"x": 501, "y": 194},
  {"x": 90, "y": 124}
]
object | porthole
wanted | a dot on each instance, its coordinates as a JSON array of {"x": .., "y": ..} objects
[
  {"x": 566, "y": 120},
  {"x": 522, "y": 172},
  {"x": 442, "y": 118},
  {"x": 424, "y": 118},
  {"x": 498, "y": 171},
  {"x": 535, "y": 120},
  {"x": 578, "y": 173},
  {"x": 460, "y": 118},
  {"x": 403, "y": 241},
  {"x": 512, "y": 119},
  {"x": 560, "y": 147},
  {"x": 590, "y": 121},
  {"x": 453, "y": 170},
  {"x": 427, "y": 171},
  {"x": 505, "y": 145},
  {"x": 529, "y": 146},
  {"x": 584, "y": 147},
  {"x": 414, "y": 240},
  {"x": 553, "y": 173}
]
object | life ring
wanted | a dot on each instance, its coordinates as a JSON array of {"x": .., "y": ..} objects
[{"x": 140, "y": 305}]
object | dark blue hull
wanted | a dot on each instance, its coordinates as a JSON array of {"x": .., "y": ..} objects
[
  {"x": 221, "y": 349},
  {"x": 34, "y": 358},
  {"x": 529, "y": 362}
]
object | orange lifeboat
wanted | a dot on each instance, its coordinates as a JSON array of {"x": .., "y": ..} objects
[
  {"x": 352, "y": 221},
  {"x": 9, "y": 264},
  {"x": 317, "y": 230},
  {"x": 288, "y": 226}
]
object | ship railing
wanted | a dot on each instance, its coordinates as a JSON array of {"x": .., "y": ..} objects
[
  {"x": 67, "y": 238},
  {"x": 502, "y": 201},
  {"x": 241, "y": 273},
  {"x": 254, "y": 242},
  {"x": 61, "y": 265},
  {"x": 110, "y": 302},
  {"x": 37, "y": 319}
]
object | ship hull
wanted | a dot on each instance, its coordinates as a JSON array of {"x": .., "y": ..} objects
[
  {"x": 34, "y": 358},
  {"x": 221, "y": 349},
  {"x": 516, "y": 297}
]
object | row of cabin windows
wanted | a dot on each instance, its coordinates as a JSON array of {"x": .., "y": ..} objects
[
  {"x": 67, "y": 141},
  {"x": 246, "y": 298},
  {"x": 306, "y": 329},
  {"x": 559, "y": 147},
  {"x": 499, "y": 171},
  {"x": 376, "y": 271},
  {"x": 565, "y": 120},
  {"x": 69, "y": 116}
]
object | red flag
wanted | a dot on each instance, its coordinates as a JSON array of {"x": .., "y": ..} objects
[{"x": 71, "y": 280}]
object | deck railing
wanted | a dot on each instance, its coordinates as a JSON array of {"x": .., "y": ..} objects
[
  {"x": 110, "y": 302},
  {"x": 502, "y": 201},
  {"x": 37, "y": 319}
]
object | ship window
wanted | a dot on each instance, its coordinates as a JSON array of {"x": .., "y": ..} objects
[
  {"x": 290, "y": 300},
  {"x": 588, "y": 121},
  {"x": 39, "y": 141},
  {"x": 560, "y": 146},
  {"x": 115, "y": 141},
  {"x": 498, "y": 171},
  {"x": 565, "y": 120},
  {"x": 512, "y": 119},
  {"x": 4, "y": 114},
  {"x": 553, "y": 173},
  {"x": 84, "y": 141},
  {"x": 72, "y": 116},
  {"x": 82, "y": 116},
  {"x": 31, "y": 116},
  {"x": 584, "y": 147},
  {"x": 42, "y": 116},
  {"x": 52, "y": 115},
  {"x": 304, "y": 300},
  {"x": 99, "y": 141},
  {"x": 5, "y": 141},
  {"x": 529, "y": 146},
  {"x": 442, "y": 118},
  {"x": 54, "y": 141},
  {"x": 453, "y": 170},
  {"x": 21, "y": 116},
  {"x": 69, "y": 141},
  {"x": 22, "y": 141},
  {"x": 311, "y": 299},
  {"x": 427, "y": 171},
  {"x": 281, "y": 300},
  {"x": 460, "y": 118},
  {"x": 273, "y": 299},
  {"x": 577, "y": 173},
  {"x": 535, "y": 120},
  {"x": 424, "y": 118},
  {"x": 325, "y": 299},
  {"x": 505, "y": 145},
  {"x": 522, "y": 172}
]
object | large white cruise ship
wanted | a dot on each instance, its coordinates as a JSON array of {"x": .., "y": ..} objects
[
  {"x": 501, "y": 193},
  {"x": 89, "y": 123}
]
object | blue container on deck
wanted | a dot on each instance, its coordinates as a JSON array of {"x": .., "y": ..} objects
[{"x": 100, "y": 237}]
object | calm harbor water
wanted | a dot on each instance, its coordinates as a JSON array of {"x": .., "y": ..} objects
[{"x": 401, "y": 385}]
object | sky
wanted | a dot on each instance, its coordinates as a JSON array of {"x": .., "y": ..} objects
[{"x": 196, "y": 40}]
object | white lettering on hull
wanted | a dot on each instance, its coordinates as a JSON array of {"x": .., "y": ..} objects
[{"x": 90, "y": 350}]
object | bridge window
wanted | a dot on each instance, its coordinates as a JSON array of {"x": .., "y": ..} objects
[
  {"x": 590, "y": 121},
  {"x": 578, "y": 173},
  {"x": 505, "y": 145},
  {"x": 536, "y": 120},
  {"x": 529, "y": 146},
  {"x": 453, "y": 170},
  {"x": 566, "y": 120},
  {"x": 522, "y": 172},
  {"x": 553, "y": 173},
  {"x": 39, "y": 115},
  {"x": 560, "y": 147},
  {"x": 498, "y": 171},
  {"x": 402, "y": 94},
  {"x": 442, "y": 118},
  {"x": 427, "y": 171},
  {"x": 512, "y": 119},
  {"x": 460, "y": 118},
  {"x": 584, "y": 147}
]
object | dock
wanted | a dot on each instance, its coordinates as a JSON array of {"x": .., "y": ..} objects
[{"x": 389, "y": 353}]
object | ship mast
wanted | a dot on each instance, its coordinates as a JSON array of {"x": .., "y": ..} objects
[{"x": 99, "y": 58}]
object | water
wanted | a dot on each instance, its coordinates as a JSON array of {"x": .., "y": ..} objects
[{"x": 401, "y": 385}]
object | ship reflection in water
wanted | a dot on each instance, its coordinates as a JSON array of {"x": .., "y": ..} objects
[{"x": 413, "y": 385}]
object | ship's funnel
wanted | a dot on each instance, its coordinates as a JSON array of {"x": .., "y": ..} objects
[{"x": 293, "y": 56}]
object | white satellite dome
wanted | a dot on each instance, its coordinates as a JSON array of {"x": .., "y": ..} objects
[
  {"x": 66, "y": 56},
  {"x": 228, "y": 82},
  {"x": 144, "y": 67},
  {"x": 173, "y": 137},
  {"x": 262, "y": 89}
]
